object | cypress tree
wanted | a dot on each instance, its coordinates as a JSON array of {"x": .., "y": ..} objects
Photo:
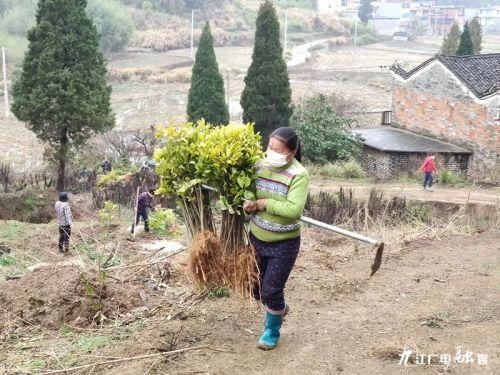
[
  {"x": 267, "y": 95},
  {"x": 476, "y": 35},
  {"x": 450, "y": 42},
  {"x": 62, "y": 94},
  {"x": 206, "y": 95},
  {"x": 365, "y": 11},
  {"x": 465, "y": 47}
]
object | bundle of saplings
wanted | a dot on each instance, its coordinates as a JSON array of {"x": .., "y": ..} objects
[
  {"x": 223, "y": 158},
  {"x": 179, "y": 175}
]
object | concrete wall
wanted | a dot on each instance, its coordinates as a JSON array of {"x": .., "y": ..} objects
[{"x": 434, "y": 103}]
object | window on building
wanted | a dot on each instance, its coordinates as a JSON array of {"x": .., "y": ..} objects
[{"x": 344, "y": 3}]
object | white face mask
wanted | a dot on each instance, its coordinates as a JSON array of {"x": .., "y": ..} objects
[{"x": 276, "y": 159}]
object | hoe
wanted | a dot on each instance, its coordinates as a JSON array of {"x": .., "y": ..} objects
[{"x": 376, "y": 243}]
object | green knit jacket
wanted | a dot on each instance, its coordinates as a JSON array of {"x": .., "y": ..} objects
[{"x": 286, "y": 191}]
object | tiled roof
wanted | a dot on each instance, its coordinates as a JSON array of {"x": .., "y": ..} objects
[
  {"x": 397, "y": 140},
  {"x": 480, "y": 73}
]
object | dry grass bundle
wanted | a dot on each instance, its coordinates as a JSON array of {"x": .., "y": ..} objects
[
  {"x": 177, "y": 76},
  {"x": 163, "y": 39},
  {"x": 337, "y": 41},
  {"x": 210, "y": 266}
]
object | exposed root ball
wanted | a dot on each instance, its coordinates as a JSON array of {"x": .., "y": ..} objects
[{"x": 209, "y": 266}]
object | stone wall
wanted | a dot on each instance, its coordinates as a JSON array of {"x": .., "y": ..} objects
[
  {"x": 386, "y": 165},
  {"x": 433, "y": 103},
  {"x": 376, "y": 163}
]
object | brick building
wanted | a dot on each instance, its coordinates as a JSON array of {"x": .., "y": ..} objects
[
  {"x": 389, "y": 152},
  {"x": 454, "y": 99}
]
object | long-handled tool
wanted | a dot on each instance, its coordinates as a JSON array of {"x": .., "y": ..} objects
[
  {"x": 379, "y": 244},
  {"x": 136, "y": 208}
]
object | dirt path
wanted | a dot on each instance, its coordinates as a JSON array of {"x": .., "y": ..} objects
[
  {"x": 432, "y": 298},
  {"x": 489, "y": 196}
]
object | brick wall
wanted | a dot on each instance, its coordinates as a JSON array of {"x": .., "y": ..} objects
[
  {"x": 385, "y": 165},
  {"x": 435, "y": 104}
]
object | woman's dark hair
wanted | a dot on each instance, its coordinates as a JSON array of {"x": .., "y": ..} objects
[
  {"x": 290, "y": 138},
  {"x": 152, "y": 191},
  {"x": 63, "y": 196}
]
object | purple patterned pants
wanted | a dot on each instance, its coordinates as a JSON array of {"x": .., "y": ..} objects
[{"x": 275, "y": 261}]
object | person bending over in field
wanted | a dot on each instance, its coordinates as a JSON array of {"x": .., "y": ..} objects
[
  {"x": 282, "y": 189},
  {"x": 144, "y": 203}
]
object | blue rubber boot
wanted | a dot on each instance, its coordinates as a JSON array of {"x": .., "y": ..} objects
[{"x": 271, "y": 335}]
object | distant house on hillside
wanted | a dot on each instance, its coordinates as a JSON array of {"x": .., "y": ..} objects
[
  {"x": 331, "y": 6},
  {"x": 490, "y": 18},
  {"x": 454, "y": 100}
]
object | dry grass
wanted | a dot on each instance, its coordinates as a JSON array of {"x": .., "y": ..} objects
[
  {"x": 210, "y": 266},
  {"x": 173, "y": 35},
  {"x": 177, "y": 76},
  {"x": 337, "y": 41},
  {"x": 121, "y": 75}
]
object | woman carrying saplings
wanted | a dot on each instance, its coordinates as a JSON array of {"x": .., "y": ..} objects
[{"x": 282, "y": 189}]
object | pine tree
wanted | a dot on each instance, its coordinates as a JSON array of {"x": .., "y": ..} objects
[
  {"x": 206, "y": 96},
  {"x": 365, "y": 11},
  {"x": 450, "y": 42},
  {"x": 465, "y": 47},
  {"x": 61, "y": 93},
  {"x": 475, "y": 33},
  {"x": 267, "y": 95}
]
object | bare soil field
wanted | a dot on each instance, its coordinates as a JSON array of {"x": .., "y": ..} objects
[
  {"x": 357, "y": 73},
  {"x": 437, "y": 290},
  {"x": 144, "y": 101}
]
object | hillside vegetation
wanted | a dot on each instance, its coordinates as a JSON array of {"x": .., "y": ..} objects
[{"x": 164, "y": 25}]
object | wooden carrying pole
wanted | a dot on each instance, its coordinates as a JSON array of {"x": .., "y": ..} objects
[{"x": 136, "y": 207}]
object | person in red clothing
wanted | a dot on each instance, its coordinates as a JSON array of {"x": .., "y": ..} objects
[{"x": 428, "y": 168}]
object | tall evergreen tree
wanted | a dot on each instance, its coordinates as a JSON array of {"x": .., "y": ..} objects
[
  {"x": 206, "y": 96},
  {"x": 476, "y": 35},
  {"x": 465, "y": 47},
  {"x": 450, "y": 42},
  {"x": 365, "y": 11},
  {"x": 267, "y": 94},
  {"x": 61, "y": 93}
]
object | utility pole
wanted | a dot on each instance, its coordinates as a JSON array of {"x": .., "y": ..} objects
[
  {"x": 484, "y": 24},
  {"x": 435, "y": 20},
  {"x": 356, "y": 32},
  {"x": 192, "y": 32},
  {"x": 227, "y": 88},
  {"x": 429, "y": 22},
  {"x": 5, "y": 90},
  {"x": 286, "y": 32},
  {"x": 442, "y": 24}
]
